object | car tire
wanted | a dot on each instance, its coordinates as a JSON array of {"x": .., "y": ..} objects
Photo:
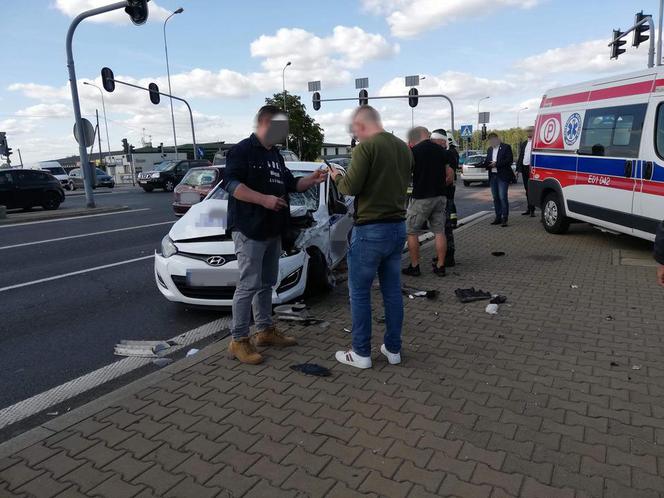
[
  {"x": 148, "y": 189},
  {"x": 466, "y": 184},
  {"x": 51, "y": 201},
  {"x": 319, "y": 275},
  {"x": 169, "y": 186},
  {"x": 553, "y": 214}
]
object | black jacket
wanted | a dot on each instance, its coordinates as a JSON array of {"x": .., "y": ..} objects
[
  {"x": 659, "y": 244},
  {"x": 503, "y": 161},
  {"x": 522, "y": 153}
]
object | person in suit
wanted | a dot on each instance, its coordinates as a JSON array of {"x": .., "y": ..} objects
[
  {"x": 523, "y": 164},
  {"x": 498, "y": 162},
  {"x": 659, "y": 253}
]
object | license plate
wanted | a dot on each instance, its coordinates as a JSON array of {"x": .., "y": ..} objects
[
  {"x": 190, "y": 198},
  {"x": 212, "y": 278}
]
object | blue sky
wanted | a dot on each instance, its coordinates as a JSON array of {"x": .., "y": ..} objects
[{"x": 226, "y": 56}]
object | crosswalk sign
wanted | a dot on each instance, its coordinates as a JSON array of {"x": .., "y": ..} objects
[{"x": 466, "y": 131}]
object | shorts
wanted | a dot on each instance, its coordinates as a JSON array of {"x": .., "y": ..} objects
[{"x": 429, "y": 211}]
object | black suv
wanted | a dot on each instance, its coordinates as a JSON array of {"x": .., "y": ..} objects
[
  {"x": 25, "y": 188},
  {"x": 168, "y": 174}
]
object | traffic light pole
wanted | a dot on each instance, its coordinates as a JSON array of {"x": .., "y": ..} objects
[
  {"x": 651, "y": 49},
  {"x": 82, "y": 150},
  {"x": 440, "y": 96},
  {"x": 191, "y": 114}
]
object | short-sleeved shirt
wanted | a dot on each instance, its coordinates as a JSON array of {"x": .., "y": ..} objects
[
  {"x": 429, "y": 172},
  {"x": 264, "y": 171}
]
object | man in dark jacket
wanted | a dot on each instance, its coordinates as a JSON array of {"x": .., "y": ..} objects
[
  {"x": 659, "y": 253},
  {"x": 498, "y": 162},
  {"x": 523, "y": 164}
]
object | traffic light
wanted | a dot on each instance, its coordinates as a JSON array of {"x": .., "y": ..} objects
[
  {"x": 3, "y": 143},
  {"x": 155, "y": 98},
  {"x": 639, "y": 31},
  {"x": 483, "y": 132},
  {"x": 107, "y": 79},
  {"x": 316, "y": 101},
  {"x": 131, "y": 149},
  {"x": 413, "y": 99},
  {"x": 364, "y": 97},
  {"x": 616, "y": 44},
  {"x": 125, "y": 146},
  {"x": 161, "y": 148},
  {"x": 138, "y": 11}
]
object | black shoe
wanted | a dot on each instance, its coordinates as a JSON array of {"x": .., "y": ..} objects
[
  {"x": 439, "y": 271},
  {"x": 527, "y": 213},
  {"x": 496, "y": 222},
  {"x": 450, "y": 262},
  {"x": 413, "y": 271},
  {"x": 504, "y": 223},
  {"x": 532, "y": 213}
]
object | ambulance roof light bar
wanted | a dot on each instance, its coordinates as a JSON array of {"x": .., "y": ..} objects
[{"x": 618, "y": 35}]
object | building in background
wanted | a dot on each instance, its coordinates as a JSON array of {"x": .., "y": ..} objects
[{"x": 333, "y": 151}]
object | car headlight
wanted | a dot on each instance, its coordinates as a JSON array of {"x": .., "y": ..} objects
[
  {"x": 154, "y": 175},
  {"x": 168, "y": 248}
]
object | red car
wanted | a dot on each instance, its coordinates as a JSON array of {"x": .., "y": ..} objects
[{"x": 194, "y": 187}]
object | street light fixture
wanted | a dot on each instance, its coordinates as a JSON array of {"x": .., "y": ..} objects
[
  {"x": 517, "y": 115},
  {"x": 283, "y": 80},
  {"x": 103, "y": 105},
  {"x": 168, "y": 73}
]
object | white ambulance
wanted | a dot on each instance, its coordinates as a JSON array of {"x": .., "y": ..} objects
[{"x": 598, "y": 154}]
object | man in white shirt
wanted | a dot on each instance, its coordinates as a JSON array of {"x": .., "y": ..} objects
[
  {"x": 498, "y": 163},
  {"x": 523, "y": 164}
]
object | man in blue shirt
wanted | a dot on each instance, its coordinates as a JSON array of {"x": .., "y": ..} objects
[{"x": 258, "y": 182}]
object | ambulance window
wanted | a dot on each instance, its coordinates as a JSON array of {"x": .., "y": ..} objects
[
  {"x": 659, "y": 131},
  {"x": 613, "y": 131}
]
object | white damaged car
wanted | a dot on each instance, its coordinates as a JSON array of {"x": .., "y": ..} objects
[{"x": 197, "y": 264}]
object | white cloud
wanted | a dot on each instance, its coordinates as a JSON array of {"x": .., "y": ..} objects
[
  {"x": 72, "y": 8},
  {"x": 41, "y": 111},
  {"x": 454, "y": 84},
  {"x": 408, "y": 18}
]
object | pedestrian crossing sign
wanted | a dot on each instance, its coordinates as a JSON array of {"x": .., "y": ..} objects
[{"x": 466, "y": 131}]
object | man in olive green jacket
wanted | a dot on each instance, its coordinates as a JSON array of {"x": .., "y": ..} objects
[{"x": 378, "y": 177}]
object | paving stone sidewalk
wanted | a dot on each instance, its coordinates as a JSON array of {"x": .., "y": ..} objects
[{"x": 559, "y": 395}]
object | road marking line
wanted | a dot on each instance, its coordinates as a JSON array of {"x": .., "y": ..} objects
[
  {"x": 74, "y": 273},
  {"x": 69, "y": 237},
  {"x": 58, "y": 394},
  {"x": 12, "y": 225}
]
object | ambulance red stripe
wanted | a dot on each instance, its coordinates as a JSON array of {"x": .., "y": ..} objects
[{"x": 640, "y": 88}]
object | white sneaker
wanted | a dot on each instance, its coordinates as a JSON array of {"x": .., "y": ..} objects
[
  {"x": 353, "y": 359},
  {"x": 392, "y": 358}
]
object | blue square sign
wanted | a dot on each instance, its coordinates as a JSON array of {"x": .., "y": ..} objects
[{"x": 466, "y": 131}]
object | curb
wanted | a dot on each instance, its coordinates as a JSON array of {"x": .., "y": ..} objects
[{"x": 59, "y": 214}]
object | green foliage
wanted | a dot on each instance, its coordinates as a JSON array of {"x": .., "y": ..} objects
[
  {"x": 511, "y": 136},
  {"x": 306, "y": 136}
]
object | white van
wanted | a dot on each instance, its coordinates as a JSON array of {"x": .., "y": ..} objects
[
  {"x": 59, "y": 172},
  {"x": 598, "y": 154}
]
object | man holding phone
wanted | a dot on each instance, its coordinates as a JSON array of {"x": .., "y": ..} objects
[
  {"x": 258, "y": 183},
  {"x": 498, "y": 162}
]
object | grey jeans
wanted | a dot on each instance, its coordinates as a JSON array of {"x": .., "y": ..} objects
[{"x": 258, "y": 262}]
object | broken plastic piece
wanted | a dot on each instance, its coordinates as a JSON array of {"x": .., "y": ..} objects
[
  {"x": 162, "y": 362},
  {"x": 497, "y": 299},
  {"x": 471, "y": 295},
  {"x": 636, "y": 367},
  {"x": 192, "y": 351},
  {"x": 492, "y": 309},
  {"x": 412, "y": 293},
  {"x": 312, "y": 369},
  {"x": 574, "y": 286},
  {"x": 498, "y": 253}
]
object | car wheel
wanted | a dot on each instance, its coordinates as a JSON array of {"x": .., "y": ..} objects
[
  {"x": 51, "y": 201},
  {"x": 319, "y": 275},
  {"x": 169, "y": 186},
  {"x": 553, "y": 214},
  {"x": 466, "y": 184},
  {"x": 148, "y": 189}
]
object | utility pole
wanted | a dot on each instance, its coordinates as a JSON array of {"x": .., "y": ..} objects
[
  {"x": 101, "y": 159},
  {"x": 20, "y": 158}
]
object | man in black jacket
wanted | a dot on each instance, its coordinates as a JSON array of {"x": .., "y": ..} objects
[
  {"x": 659, "y": 253},
  {"x": 523, "y": 164},
  {"x": 498, "y": 162}
]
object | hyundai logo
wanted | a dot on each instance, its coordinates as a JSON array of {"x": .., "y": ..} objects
[{"x": 215, "y": 261}]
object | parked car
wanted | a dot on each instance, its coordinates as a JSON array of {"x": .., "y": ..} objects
[
  {"x": 167, "y": 174},
  {"x": 473, "y": 171},
  {"x": 26, "y": 188},
  {"x": 196, "y": 263},
  {"x": 194, "y": 187},
  {"x": 465, "y": 154},
  {"x": 54, "y": 168},
  {"x": 102, "y": 179}
]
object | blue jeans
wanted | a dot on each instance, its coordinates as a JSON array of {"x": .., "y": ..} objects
[
  {"x": 376, "y": 248},
  {"x": 501, "y": 202}
]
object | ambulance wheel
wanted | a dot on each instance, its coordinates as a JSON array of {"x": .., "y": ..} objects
[{"x": 553, "y": 214}]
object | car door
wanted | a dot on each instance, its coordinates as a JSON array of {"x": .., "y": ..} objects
[
  {"x": 341, "y": 221},
  {"x": 7, "y": 190},
  {"x": 648, "y": 205},
  {"x": 181, "y": 170},
  {"x": 29, "y": 188}
]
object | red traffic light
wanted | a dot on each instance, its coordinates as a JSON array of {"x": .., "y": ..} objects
[
  {"x": 137, "y": 11},
  {"x": 155, "y": 98},
  {"x": 107, "y": 79}
]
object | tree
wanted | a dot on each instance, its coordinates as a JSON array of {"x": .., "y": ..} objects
[{"x": 305, "y": 135}]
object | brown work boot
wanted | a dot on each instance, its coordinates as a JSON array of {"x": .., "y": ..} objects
[
  {"x": 272, "y": 337},
  {"x": 244, "y": 351}
]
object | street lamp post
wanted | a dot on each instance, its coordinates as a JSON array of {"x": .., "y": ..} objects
[
  {"x": 517, "y": 115},
  {"x": 103, "y": 106},
  {"x": 168, "y": 73},
  {"x": 478, "y": 110},
  {"x": 283, "y": 80}
]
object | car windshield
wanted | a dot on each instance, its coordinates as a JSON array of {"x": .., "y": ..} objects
[
  {"x": 163, "y": 166},
  {"x": 475, "y": 159},
  {"x": 100, "y": 171},
  {"x": 199, "y": 177},
  {"x": 54, "y": 170}
]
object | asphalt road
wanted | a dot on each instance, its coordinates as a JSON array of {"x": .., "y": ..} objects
[{"x": 56, "y": 330}]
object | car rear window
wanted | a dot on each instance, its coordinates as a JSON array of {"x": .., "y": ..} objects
[{"x": 200, "y": 177}]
